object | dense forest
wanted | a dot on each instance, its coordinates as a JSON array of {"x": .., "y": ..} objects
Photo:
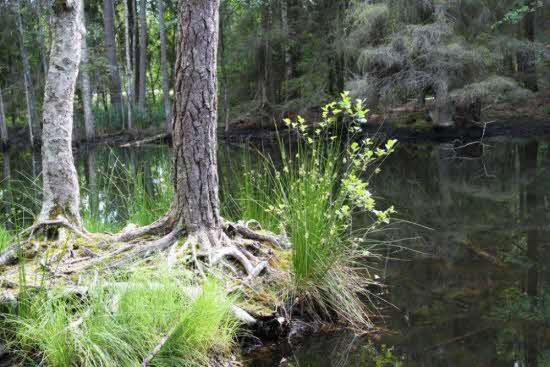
[
  {"x": 441, "y": 62},
  {"x": 232, "y": 183}
]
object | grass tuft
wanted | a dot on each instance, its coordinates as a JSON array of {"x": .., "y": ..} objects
[
  {"x": 120, "y": 324},
  {"x": 5, "y": 238},
  {"x": 312, "y": 195}
]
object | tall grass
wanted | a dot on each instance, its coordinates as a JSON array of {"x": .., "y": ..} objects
[
  {"x": 119, "y": 325},
  {"x": 313, "y": 194},
  {"x": 247, "y": 192},
  {"x": 135, "y": 194},
  {"x": 5, "y": 238}
]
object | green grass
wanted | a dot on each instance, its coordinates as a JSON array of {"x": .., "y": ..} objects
[
  {"x": 120, "y": 325},
  {"x": 247, "y": 192},
  {"x": 141, "y": 201},
  {"x": 5, "y": 238},
  {"x": 312, "y": 195}
]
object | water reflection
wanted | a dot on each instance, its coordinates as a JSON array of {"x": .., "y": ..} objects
[{"x": 474, "y": 292}]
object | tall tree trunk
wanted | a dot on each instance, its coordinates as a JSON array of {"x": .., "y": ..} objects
[
  {"x": 41, "y": 38},
  {"x": 142, "y": 55},
  {"x": 33, "y": 121},
  {"x": 164, "y": 68},
  {"x": 61, "y": 194},
  {"x": 527, "y": 63},
  {"x": 195, "y": 171},
  {"x": 286, "y": 49},
  {"x": 224, "y": 72},
  {"x": 115, "y": 88},
  {"x": 3, "y": 128},
  {"x": 129, "y": 69},
  {"x": 135, "y": 49},
  {"x": 89, "y": 126}
]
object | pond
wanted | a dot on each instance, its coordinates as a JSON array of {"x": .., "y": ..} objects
[{"x": 466, "y": 262}]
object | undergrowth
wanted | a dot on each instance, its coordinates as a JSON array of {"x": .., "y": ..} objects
[
  {"x": 5, "y": 238},
  {"x": 119, "y": 324},
  {"x": 312, "y": 194}
]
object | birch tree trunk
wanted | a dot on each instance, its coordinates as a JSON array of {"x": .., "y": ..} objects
[
  {"x": 129, "y": 69},
  {"x": 164, "y": 68},
  {"x": 61, "y": 195},
  {"x": 142, "y": 54},
  {"x": 3, "y": 128},
  {"x": 110, "y": 50},
  {"x": 33, "y": 121},
  {"x": 195, "y": 166},
  {"x": 89, "y": 126}
]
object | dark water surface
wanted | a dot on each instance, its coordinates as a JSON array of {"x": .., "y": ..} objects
[{"x": 467, "y": 265}]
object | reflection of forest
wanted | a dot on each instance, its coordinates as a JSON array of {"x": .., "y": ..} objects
[
  {"x": 474, "y": 296},
  {"x": 481, "y": 274}
]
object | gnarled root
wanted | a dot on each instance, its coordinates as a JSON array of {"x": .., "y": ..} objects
[{"x": 63, "y": 226}]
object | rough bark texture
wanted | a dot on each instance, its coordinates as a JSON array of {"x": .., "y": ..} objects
[
  {"x": 142, "y": 54},
  {"x": 89, "y": 126},
  {"x": 195, "y": 120},
  {"x": 33, "y": 121},
  {"x": 61, "y": 194},
  {"x": 3, "y": 128},
  {"x": 129, "y": 70},
  {"x": 164, "y": 68},
  {"x": 110, "y": 50}
]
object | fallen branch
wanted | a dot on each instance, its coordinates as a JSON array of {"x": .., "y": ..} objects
[
  {"x": 159, "y": 346},
  {"x": 145, "y": 141}
]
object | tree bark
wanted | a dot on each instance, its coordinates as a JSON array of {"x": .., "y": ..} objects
[
  {"x": 3, "y": 128},
  {"x": 61, "y": 194},
  {"x": 129, "y": 69},
  {"x": 142, "y": 55},
  {"x": 89, "y": 126},
  {"x": 195, "y": 171},
  {"x": 164, "y": 68},
  {"x": 110, "y": 50},
  {"x": 33, "y": 121}
]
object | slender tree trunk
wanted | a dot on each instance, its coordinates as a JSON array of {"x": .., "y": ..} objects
[
  {"x": 89, "y": 126},
  {"x": 61, "y": 194},
  {"x": 129, "y": 69},
  {"x": 224, "y": 73},
  {"x": 115, "y": 88},
  {"x": 3, "y": 127},
  {"x": 41, "y": 39},
  {"x": 136, "y": 49},
  {"x": 142, "y": 55},
  {"x": 164, "y": 68},
  {"x": 527, "y": 63},
  {"x": 33, "y": 121},
  {"x": 195, "y": 171},
  {"x": 286, "y": 49}
]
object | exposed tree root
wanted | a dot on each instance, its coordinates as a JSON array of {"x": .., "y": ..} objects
[
  {"x": 209, "y": 245},
  {"x": 10, "y": 255},
  {"x": 59, "y": 222}
]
